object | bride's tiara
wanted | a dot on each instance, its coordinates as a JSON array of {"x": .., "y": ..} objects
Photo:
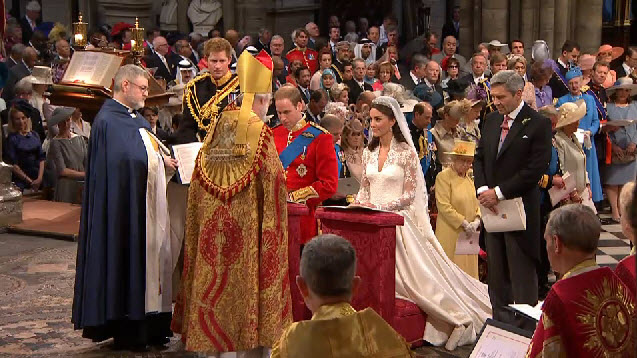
[{"x": 386, "y": 101}]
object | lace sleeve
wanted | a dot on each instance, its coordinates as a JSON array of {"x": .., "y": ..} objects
[
  {"x": 363, "y": 192},
  {"x": 408, "y": 159}
]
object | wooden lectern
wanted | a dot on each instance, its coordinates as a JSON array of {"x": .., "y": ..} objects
[{"x": 88, "y": 81}]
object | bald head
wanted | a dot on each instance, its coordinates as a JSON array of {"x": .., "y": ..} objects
[
  {"x": 30, "y": 57},
  {"x": 161, "y": 45},
  {"x": 63, "y": 48},
  {"x": 432, "y": 72},
  {"x": 449, "y": 45}
]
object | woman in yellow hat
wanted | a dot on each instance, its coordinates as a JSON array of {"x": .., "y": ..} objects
[{"x": 457, "y": 204}]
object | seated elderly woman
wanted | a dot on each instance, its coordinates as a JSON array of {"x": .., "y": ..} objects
[
  {"x": 569, "y": 150},
  {"x": 23, "y": 150},
  {"x": 66, "y": 158},
  {"x": 340, "y": 93},
  {"x": 457, "y": 205}
]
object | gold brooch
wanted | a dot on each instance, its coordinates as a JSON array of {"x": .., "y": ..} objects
[{"x": 301, "y": 170}]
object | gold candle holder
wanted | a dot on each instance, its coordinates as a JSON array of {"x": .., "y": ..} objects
[
  {"x": 80, "y": 35},
  {"x": 137, "y": 41}
]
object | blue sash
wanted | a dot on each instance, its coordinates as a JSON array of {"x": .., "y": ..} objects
[
  {"x": 298, "y": 145},
  {"x": 599, "y": 104}
]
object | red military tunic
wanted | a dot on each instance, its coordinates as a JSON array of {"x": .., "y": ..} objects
[
  {"x": 307, "y": 55},
  {"x": 625, "y": 270},
  {"x": 312, "y": 177},
  {"x": 588, "y": 313}
]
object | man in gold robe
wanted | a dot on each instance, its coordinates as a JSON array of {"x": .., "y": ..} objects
[
  {"x": 588, "y": 312},
  {"x": 327, "y": 283},
  {"x": 235, "y": 289}
]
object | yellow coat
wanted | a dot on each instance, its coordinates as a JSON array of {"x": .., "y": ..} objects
[
  {"x": 456, "y": 201},
  {"x": 338, "y": 331}
]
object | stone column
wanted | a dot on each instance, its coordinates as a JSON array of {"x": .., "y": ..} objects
[
  {"x": 182, "y": 16},
  {"x": 466, "y": 28},
  {"x": 547, "y": 24},
  {"x": 528, "y": 23},
  {"x": 495, "y": 20},
  {"x": 588, "y": 24},
  {"x": 561, "y": 25},
  {"x": 114, "y": 11}
]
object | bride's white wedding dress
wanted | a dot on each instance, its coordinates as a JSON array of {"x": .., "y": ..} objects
[{"x": 456, "y": 304}]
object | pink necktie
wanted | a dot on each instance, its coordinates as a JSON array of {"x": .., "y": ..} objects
[{"x": 505, "y": 130}]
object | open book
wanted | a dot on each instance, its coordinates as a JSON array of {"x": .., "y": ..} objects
[
  {"x": 92, "y": 68},
  {"x": 510, "y": 216}
]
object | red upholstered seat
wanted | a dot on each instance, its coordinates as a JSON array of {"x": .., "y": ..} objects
[
  {"x": 295, "y": 211},
  {"x": 373, "y": 235}
]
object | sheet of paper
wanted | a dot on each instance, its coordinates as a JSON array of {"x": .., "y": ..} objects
[
  {"x": 558, "y": 194},
  {"x": 510, "y": 217},
  {"x": 468, "y": 243},
  {"x": 587, "y": 200},
  {"x": 620, "y": 122},
  {"x": 528, "y": 310},
  {"x": 355, "y": 207},
  {"x": 499, "y": 343},
  {"x": 186, "y": 155},
  {"x": 348, "y": 186}
]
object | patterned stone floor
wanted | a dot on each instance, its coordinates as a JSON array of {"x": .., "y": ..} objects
[{"x": 36, "y": 290}]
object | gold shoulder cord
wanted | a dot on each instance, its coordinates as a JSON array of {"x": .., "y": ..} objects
[{"x": 210, "y": 109}]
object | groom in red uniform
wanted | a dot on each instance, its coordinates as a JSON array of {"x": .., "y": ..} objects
[
  {"x": 588, "y": 312},
  {"x": 308, "y": 157}
]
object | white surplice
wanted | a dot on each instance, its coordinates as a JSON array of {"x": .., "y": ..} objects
[{"x": 456, "y": 304}]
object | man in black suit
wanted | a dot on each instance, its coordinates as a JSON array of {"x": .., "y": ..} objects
[
  {"x": 452, "y": 27},
  {"x": 357, "y": 84},
  {"x": 569, "y": 55},
  {"x": 15, "y": 57},
  {"x": 414, "y": 77},
  {"x": 160, "y": 59},
  {"x": 318, "y": 101},
  {"x": 303, "y": 77},
  {"x": 511, "y": 157},
  {"x": 342, "y": 57},
  {"x": 19, "y": 71},
  {"x": 629, "y": 64},
  {"x": 30, "y": 21},
  {"x": 263, "y": 42}
]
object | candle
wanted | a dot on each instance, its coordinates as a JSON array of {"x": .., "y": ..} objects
[
  {"x": 132, "y": 45},
  {"x": 78, "y": 38}
]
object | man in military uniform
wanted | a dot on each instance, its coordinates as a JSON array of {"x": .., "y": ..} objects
[
  {"x": 310, "y": 57},
  {"x": 342, "y": 57},
  {"x": 307, "y": 153},
  {"x": 208, "y": 94}
]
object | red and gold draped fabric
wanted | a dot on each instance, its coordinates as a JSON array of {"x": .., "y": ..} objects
[
  {"x": 235, "y": 293},
  {"x": 625, "y": 270},
  {"x": 586, "y": 315}
]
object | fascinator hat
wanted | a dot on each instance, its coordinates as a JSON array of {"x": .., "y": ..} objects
[{"x": 573, "y": 72}]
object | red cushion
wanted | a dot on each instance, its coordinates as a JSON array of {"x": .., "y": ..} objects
[{"x": 409, "y": 321}]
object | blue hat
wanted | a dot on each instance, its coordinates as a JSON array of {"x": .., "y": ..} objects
[
  {"x": 45, "y": 27},
  {"x": 573, "y": 72}
]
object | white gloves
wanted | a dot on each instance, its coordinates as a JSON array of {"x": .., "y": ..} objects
[
  {"x": 466, "y": 226},
  {"x": 475, "y": 225}
]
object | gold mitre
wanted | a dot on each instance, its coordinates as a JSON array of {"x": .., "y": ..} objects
[{"x": 255, "y": 76}]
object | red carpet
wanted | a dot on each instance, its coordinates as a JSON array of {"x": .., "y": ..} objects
[{"x": 49, "y": 218}]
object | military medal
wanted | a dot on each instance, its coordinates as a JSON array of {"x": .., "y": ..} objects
[{"x": 301, "y": 170}]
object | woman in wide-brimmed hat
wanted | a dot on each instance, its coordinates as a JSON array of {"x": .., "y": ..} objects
[
  {"x": 65, "y": 158},
  {"x": 569, "y": 150},
  {"x": 457, "y": 205},
  {"x": 467, "y": 111},
  {"x": 589, "y": 124},
  {"x": 605, "y": 55},
  {"x": 623, "y": 139}
]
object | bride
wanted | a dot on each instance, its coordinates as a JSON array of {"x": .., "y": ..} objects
[{"x": 456, "y": 304}]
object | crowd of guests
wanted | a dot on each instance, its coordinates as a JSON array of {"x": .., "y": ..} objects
[{"x": 445, "y": 96}]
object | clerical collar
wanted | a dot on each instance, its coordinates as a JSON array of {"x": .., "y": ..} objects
[
  {"x": 128, "y": 109},
  {"x": 300, "y": 124},
  {"x": 223, "y": 80}
]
